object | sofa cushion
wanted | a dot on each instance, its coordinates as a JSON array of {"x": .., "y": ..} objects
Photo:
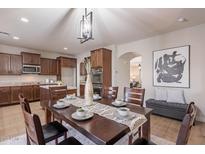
[
  {"x": 175, "y": 95},
  {"x": 160, "y": 94}
]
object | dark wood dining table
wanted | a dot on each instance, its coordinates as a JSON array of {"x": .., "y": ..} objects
[{"x": 100, "y": 130}]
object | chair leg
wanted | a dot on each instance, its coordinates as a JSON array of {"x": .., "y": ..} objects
[
  {"x": 65, "y": 135},
  {"x": 27, "y": 139},
  {"x": 56, "y": 141},
  {"x": 139, "y": 132}
]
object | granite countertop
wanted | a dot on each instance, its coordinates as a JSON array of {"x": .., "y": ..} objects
[
  {"x": 11, "y": 84},
  {"x": 48, "y": 86}
]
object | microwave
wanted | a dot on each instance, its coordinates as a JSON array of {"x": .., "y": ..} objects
[{"x": 31, "y": 69}]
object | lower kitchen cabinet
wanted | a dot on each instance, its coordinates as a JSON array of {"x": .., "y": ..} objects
[
  {"x": 15, "y": 91},
  {"x": 36, "y": 92},
  {"x": 72, "y": 91},
  {"x": 28, "y": 92},
  {"x": 82, "y": 90},
  {"x": 5, "y": 95}
]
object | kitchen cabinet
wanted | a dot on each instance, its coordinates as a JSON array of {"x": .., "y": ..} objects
[
  {"x": 82, "y": 69},
  {"x": 68, "y": 62},
  {"x": 48, "y": 66},
  {"x": 10, "y": 64},
  {"x": 45, "y": 64},
  {"x": 28, "y": 92},
  {"x": 5, "y": 95},
  {"x": 4, "y": 64},
  {"x": 30, "y": 58},
  {"x": 72, "y": 91},
  {"x": 36, "y": 92},
  {"x": 82, "y": 90},
  {"x": 53, "y": 67},
  {"x": 16, "y": 64},
  {"x": 15, "y": 91},
  {"x": 97, "y": 58}
]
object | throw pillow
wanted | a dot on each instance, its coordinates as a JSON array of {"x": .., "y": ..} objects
[
  {"x": 161, "y": 94},
  {"x": 175, "y": 96}
]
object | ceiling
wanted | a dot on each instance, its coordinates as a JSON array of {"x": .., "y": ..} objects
[{"x": 53, "y": 29}]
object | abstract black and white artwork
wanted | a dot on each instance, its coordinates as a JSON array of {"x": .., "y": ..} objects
[{"x": 171, "y": 67}]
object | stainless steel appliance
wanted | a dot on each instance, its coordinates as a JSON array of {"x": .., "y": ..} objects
[
  {"x": 97, "y": 88},
  {"x": 31, "y": 69},
  {"x": 97, "y": 76}
]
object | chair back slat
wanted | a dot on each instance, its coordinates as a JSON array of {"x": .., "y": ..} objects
[
  {"x": 187, "y": 123},
  {"x": 57, "y": 93},
  {"x": 134, "y": 95},
  {"x": 110, "y": 92},
  {"x": 33, "y": 128}
]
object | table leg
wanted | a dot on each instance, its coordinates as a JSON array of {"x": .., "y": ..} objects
[
  {"x": 47, "y": 115},
  {"x": 146, "y": 129}
]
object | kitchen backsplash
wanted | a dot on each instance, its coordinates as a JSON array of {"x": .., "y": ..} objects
[{"x": 6, "y": 79}]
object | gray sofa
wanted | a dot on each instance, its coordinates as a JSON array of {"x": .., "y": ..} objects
[{"x": 167, "y": 109}]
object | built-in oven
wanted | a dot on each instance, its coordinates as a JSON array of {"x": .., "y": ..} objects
[
  {"x": 31, "y": 69},
  {"x": 97, "y": 88},
  {"x": 97, "y": 76}
]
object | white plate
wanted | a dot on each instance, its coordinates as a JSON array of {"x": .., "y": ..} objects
[
  {"x": 61, "y": 106},
  {"x": 119, "y": 105},
  {"x": 87, "y": 116},
  {"x": 128, "y": 117}
]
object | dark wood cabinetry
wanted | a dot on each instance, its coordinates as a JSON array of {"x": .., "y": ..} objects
[
  {"x": 82, "y": 90},
  {"x": 5, "y": 95},
  {"x": 30, "y": 58},
  {"x": 16, "y": 64},
  {"x": 53, "y": 67},
  {"x": 48, "y": 66},
  {"x": 15, "y": 91},
  {"x": 28, "y": 92},
  {"x": 102, "y": 58},
  {"x": 10, "y": 64},
  {"x": 82, "y": 69},
  {"x": 36, "y": 92},
  {"x": 72, "y": 91},
  {"x": 4, "y": 64},
  {"x": 68, "y": 62}
]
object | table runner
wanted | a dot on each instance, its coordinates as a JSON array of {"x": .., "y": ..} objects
[{"x": 134, "y": 121}]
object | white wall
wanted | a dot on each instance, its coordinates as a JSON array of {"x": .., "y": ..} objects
[
  {"x": 28, "y": 77},
  {"x": 193, "y": 36}
]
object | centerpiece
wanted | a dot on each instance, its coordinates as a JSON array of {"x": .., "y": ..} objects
[{"x": 88, "y": 84}]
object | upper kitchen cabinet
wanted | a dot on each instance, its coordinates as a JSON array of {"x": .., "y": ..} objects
[
  {"x": 45, "y": 66},
  {"x": 100, "y": 57},
  {"x": 4, "y": 64},
  {"x": 10, "y": 64},
  {"x": 48, "y": 66},
  {"x": 53, "y": 67},
  {"x": 68, "y": 62},
  {"x": 30, "y": 58},
  {"x": 16, "y": 64},
  {"x": 82, "y": 69}
]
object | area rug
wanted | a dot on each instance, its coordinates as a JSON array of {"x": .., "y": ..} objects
[{"x": 21, "y": 139}]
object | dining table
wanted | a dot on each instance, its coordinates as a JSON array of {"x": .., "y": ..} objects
[{"x": 99, "y": 129}]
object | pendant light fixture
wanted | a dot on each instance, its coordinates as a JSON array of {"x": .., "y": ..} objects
[{"x": 86, "y": 27}]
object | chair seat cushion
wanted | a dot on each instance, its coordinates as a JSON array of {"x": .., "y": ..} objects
[
  {"x": 141, "y": 141},
  {"x": 53, "y": 130},
  {"x": 70, "y": 141}
]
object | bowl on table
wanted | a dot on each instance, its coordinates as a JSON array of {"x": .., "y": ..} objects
[
  {"x": 123, "y": 111},
  {"x": 60, "y": 103},
  {"x": 81, "y": 112}
]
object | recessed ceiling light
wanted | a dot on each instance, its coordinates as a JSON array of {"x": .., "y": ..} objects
[
  {"x": 65, "y": 48},
  {"x": 181, "y": 19},
  {"x": 24, "y": 19},
  {"x": 16, "y": 38}
]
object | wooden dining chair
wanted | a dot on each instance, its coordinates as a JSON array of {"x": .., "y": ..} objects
[
  {"x": 36, "y": 133},
  {"x": 191, "y": 108},
  {"x": 110, "y": 92},
  {"x": 51, "y": 131},
  {"x": 183, "y": 134},
  {"x": 57, "y": 93},
  {"x": 134, "y": 95}
]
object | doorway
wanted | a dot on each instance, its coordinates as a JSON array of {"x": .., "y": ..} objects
[{"x": 135, "y": 72}]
